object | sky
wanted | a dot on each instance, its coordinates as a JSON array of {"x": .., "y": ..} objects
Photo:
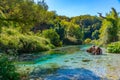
[{"x": 72, "y": 8}]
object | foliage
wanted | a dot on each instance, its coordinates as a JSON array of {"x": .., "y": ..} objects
[
  {"x": 28, "y": 15},
  {"x": 72, "y": 30},
  {"x": 11, "y": 40},
  {"x": 77, "y": 31},
  {"x": 24, "y": 13},
  {"x": 114, "y": 47},
  {"x": 119, "y": 28},
  {"x": 89, "y": 24},
  {"x": 19, "y": 18},
  {"x": 109, "y": 29},
  {"x": 87, "y": 41},
  {"x": 96, "y": 42},
  {"x": 61, "y": 32},
  {"x": 32, "y": 43},
  {"x": 59, "y": 28},
  {"x": 95, "y": 34},
  {"x": 7, "y": 70},
  {"x": 43, "y": 4},
  {"x": 104, "y": 32},
  {"x": 52, "y": 36}
]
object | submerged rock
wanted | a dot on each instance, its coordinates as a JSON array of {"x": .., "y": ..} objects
[{"x": 86, "y": 60}]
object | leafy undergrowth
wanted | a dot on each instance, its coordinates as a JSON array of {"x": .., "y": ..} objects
[
  {"x": 7, "y": 69},
  {"x": 114, "y": 47},
  {"x": 12, "y": 41}
]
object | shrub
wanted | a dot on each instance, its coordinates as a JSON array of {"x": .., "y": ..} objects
[
  {"x": 30, "y": 43},
  {"x": 96, "y": 42},
  {"x": 12, "y": 42},
  {"x": 52, "y": 36},
  {"x": 9, "y": 43},
  {"x": 113, "y": 47},
  {"x": 7, "y": 70},
  {"x": 87, "y": 41}
]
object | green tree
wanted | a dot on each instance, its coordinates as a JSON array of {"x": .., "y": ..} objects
[
  {"x": 43, "y": 4},
  {"x": 61, "y": 31},
  {"x": 95, "y": 34},
  {"x": 52, "y": 35},
  {"x": 119, "y": 28},
  {"x": 24, "y": 14},
  {"x": 109, "y": 29},
  {"x": 88, "y": 24}
]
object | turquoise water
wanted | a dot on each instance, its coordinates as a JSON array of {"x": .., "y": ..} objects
[{"x": 77, "y": 64}]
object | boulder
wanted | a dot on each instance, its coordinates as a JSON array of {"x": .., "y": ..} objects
[{"x": 95, "y": 50}]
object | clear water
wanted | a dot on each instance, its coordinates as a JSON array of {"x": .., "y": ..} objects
[{"x": 77, "y": 64}]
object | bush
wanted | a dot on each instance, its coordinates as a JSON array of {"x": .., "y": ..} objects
[
  {"x": 7, "y": 70},
  {"x": 87, "y": 41},
  {"x": 30, "y": 43},
  {"x": 113, "y": 47},
  {"x": 96, "y": 42},
  {"x": 52, "y": 36},
  {"x": 9, "y": 43},
  {"x": 15, "y": 42}
]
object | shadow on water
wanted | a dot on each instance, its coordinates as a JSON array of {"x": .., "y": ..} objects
[{"x": 64, "y": 74}]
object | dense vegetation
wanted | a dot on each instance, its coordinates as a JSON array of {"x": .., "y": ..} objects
[
  {"x": 7, "y": 70},
  {"x": 110, "y": 31},
  {"x": 26, "y": 26},
  {"x": 90, "y": 25},
  {"x": 16, "y": 21},
  {"x": 114, "y": 47},
  {"x": 110, "y": 28},
  {"x": 12, "y": 41}
]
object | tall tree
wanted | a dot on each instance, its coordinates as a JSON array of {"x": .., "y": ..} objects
[{"x": 109, "y": 29}]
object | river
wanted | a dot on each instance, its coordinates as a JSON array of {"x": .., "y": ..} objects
[{"x": 75, "y": 64}]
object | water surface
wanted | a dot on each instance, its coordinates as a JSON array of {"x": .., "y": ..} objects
[{"x": 76, "y": 64}]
